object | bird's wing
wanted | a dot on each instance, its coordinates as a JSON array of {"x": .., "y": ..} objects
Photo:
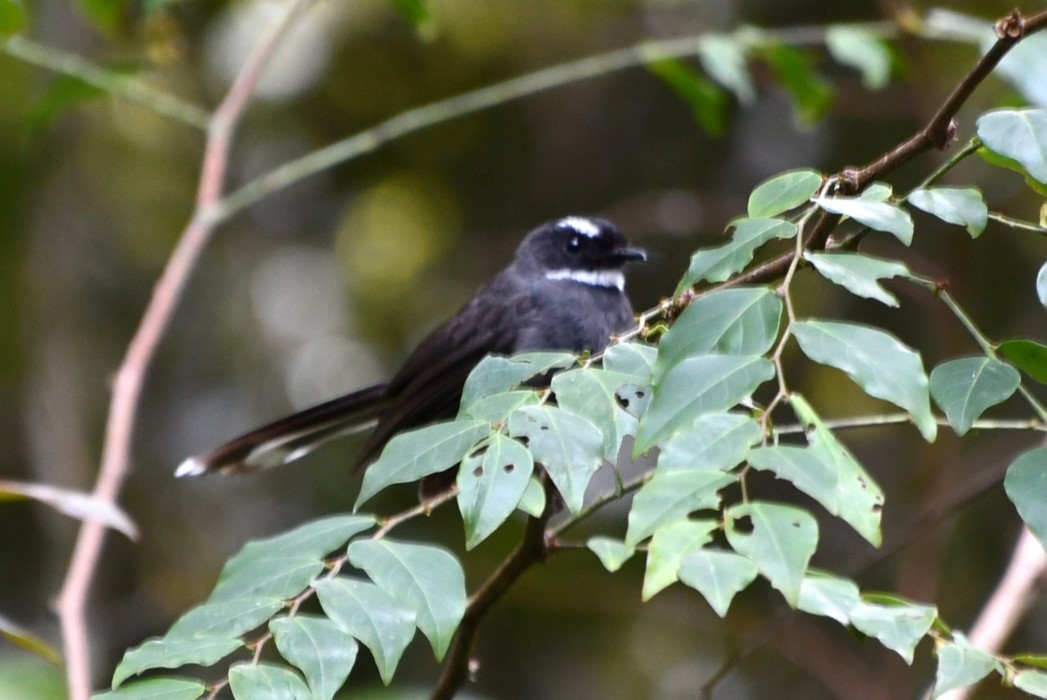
[{"x": 292, "y": 437}]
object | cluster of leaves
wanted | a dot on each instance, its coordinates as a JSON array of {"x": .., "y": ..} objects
[{"x": 677, "y": 400}]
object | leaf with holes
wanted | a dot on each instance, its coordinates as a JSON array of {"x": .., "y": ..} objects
[
  {"x": 416, "y": 454},
  {"x": 719, "y": 264},
  {"x": 670, "y": 496},
  {"x": 875, "y": 360},
  {"x": 668, "y": 547},
  {"x": 737, "y": 321},
  {"x": 879, "y": 216},
  {"x": 899, "y": 627},
  {"x": 965, "y": 388},
  {"x": 162, "y": 653},
  {"x": 1028, "y": 356},
  {"x": 859, "y": 274},
  {"x": 497, "y": 407},
  {"x": 323, "y": 651},
  {"x": 962, "y": 206},
  {"x": 698, "y": 386},
  {"x": 612, "y": 553},
  {"x": 783, "y": 192},
  {"x": 828, "y": 595},
  {"x": 250, "y": 681},
  {"x": 780, "y": 542},
  {"x": 1026, "y": 486},
  {"x": 718, "y": 575},
  {"x": 961, "y": 665},
  {"x": 594, "y": 393},
  {"x": 567, "y": 445},
  {"x": 490, "y": 486},
  {"x": 714, "y": 442},
  {"x": 372, "y": 616},
  {"x": 426, "y": 579},
  {"x": 1019, "y": 134}
]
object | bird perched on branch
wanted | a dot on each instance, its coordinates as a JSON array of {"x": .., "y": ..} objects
[{"x": 564, "y": 290}]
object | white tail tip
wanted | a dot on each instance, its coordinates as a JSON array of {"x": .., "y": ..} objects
[{"x": 190, "y": 467}]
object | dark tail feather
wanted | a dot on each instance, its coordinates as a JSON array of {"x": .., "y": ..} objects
[{"x": 289, "y": 438}]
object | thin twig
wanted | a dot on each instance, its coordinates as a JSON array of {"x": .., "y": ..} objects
[{"x": 71, "y": 602}]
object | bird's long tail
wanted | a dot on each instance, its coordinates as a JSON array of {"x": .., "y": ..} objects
[{"x": 290, "y": 438}]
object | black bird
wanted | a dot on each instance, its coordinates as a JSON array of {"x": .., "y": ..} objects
[{"x": 565, "y": 290}]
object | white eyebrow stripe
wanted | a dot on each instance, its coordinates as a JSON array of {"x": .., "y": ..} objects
[
  {"x": 612, "y": 279},
  {"x": 581, "y": 225}
]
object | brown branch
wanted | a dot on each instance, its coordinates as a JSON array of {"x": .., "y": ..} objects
[
  {"x": 71, "y": 602},
  {"x": 531, "y": 550}
]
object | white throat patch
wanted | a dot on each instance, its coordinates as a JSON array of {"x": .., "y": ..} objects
[
  {"x": 612, "y": 279},
  {"x": 580, "y": 225}
]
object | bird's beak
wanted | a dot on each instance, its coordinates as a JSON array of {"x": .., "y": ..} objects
[{"x": 630, "y": 254}]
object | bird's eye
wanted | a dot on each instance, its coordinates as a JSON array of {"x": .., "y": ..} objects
[{"x": 574, "y": 244}]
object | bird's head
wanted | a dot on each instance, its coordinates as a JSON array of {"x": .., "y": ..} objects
[{"x": 582, "y": 249}]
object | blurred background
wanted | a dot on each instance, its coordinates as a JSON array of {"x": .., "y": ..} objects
[{"x": 323, "y": 287}]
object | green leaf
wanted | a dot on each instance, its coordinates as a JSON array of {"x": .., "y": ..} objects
[
  {"x": 1019, "y": 134},
  {"x": 812, "y": 95},
  {"x": 323, "y": 651},
  {"x": 995, "y": 159},
  {"x": 828, "y": 595},
  {"x": 714, "y": 442},
  {"x": 567, "y": 445},
  {"x": 75, "y": 504},
  {"x": 277, "y": 578},
  {"x": 418, "y": 453},
  {"x": 426, "y": 579},
  {"x": 497, "y": 407},
  {"x": 878, "y": 362},
  {"x": 1032, "y": 682},
  {"x": 1026, "y": 486},
  {"x": 28, "y": 641},
  {"x": 104, "y": 15},
  {"x": 1041, "y": 285},
  {"x": 707, "y": 102},
  {"x": 1028, "y": 356},
  {"x": 415, "y": 12},
  {"x": 879, "y": 216},
  {"x": 899, "y": 627},
  {"x": 634, "y": 359},
  {"x": 251, "y": 681},
  {"x": 858, "y": 273},
  {"x": 965, "y": 388},
  {"x": 668, "y": 548},
  {"x": 611, "y": 552},
  {"x": 778, "y": 539},
  {"x": 371, "y": 615},
  {"x": 314, "y": 540},
  {"x": 856, "y": 497},
  {"x": 163, "y": 653},
  {"x": 736, "y": 321},
  {"x": 1035, "y": 660},
  {"x": 717, "y": 575},
  {"x": 12, "y": 17},
  {"x": 490, "y": 486},
  {"x": 594, "y": 393},
  {"x": 533, "y": 500},
  {"x": 861, "y": 50},
  {"x": 1023, "y": 66},
  {"x": 960, "y": 665},
  {"x": 962, "y": 206},
  {"x": 784, "y": 192},
  {"x": 877, "y": 192},
  {"x": 723, "y": 58},
  {"x": 495, "y": 374},
  {"x": 230, "y": 618},
  {"x": 156, "y": 689},
  {"x": 696, "y": 386},
  {"x": 670, "y": 496},
  {"x": 719, "y": 264}
]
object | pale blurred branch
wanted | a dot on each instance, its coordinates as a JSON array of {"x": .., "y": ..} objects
[
  {"x": 127, "y": 387},
  {"x": 127, "y": 87}
]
